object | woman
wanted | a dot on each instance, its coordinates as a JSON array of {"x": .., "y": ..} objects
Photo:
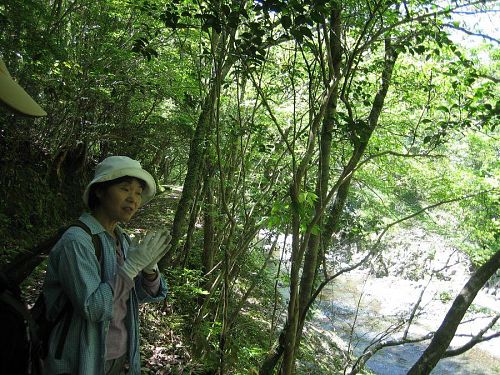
[{"x": 103, "y": 333}]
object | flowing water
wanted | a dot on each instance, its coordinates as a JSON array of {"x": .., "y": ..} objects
[
  {"x": 337, "y": 308},
  {"x": 376, "y": 303}
]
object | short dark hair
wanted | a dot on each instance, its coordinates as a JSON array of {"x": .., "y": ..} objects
[{"x": 93, "y": 201}]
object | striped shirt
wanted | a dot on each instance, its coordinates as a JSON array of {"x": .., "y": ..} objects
[{"x": 74, "y": 274}]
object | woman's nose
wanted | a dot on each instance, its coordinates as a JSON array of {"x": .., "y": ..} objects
[{"x": 133, "y": 197}]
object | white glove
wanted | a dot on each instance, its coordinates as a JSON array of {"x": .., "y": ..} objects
[
  {"x": 153, "y": 266},
  {"x": 142, "y": 253}
]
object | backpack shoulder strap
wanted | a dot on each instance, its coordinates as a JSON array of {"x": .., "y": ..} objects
[
  {"x": 95, "y": 238},
  {"x": 127, "y": 238}
]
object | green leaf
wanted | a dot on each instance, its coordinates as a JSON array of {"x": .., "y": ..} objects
[
  {"x": 299, "y": 37},
  {"x": 300, "y": 20},
  {"x": 305, "y": 31},
  {"x": 316, "y": 230},
  {"x": 317, "y": 17},
  {"x": 286, "y": 22}
]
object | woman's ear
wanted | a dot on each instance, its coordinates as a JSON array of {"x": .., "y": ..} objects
[{"x": 100, "y": 193}]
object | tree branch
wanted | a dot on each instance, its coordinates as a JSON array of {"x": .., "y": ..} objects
[
  {"x": 399, "y": 154},
  {"x": 374, "y": 248},
  {"x": 446, "y": 331},
  {"x": 362, "y": 359},
  {"x": 416, "y": 19},
  {"x": 475, "y": 340},
  {"x": 468, "y": 32},
  {"x": 271, "y": 114},
  {"x": 491, "y": 78}
]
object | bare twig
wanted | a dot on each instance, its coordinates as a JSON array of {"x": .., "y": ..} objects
[
  {"x": 384, "y": 344},
  {"x": 415, "y": 309},
  {"x": 475, "y": 340}
]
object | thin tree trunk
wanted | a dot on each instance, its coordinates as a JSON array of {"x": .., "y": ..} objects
[
  {"x": 293, "y": 305},
  {"x": 193, "y": 218},
  {"x": 289, "y": 345},
  {"x": 222, "y": 63},
  {"x": 208, "y": 223},
  {"x": 192, "y": 180},
  {"x": 311, "y": 257}
]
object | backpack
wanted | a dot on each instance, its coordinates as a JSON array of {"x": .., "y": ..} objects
[
  {"x": 26, "y": 332},
  {"x": 17, "y": 347}
]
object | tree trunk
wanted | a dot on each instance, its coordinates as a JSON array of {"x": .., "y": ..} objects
[
  {"x": 192, "y": 180},
  {"x": 361, "y": 138},
  {"x": 290, "y": 336},
  {"x": 272, "y": 358},
  {"x": 193, "y": 218},
  {"x": 311, "y": 257},
  {"x": 197, "y": 150},
  {"x": 445, "y": 333},
  {"x": 208, "y": 223}
]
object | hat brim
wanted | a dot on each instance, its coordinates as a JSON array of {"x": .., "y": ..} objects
[
  {"x": 147, "y": 194},
  {"x": 15, "y": 97}
]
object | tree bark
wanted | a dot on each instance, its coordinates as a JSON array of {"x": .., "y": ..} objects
[
  {"x": 222, "y": 62},
  {"x": 311, "y": 257},
  {"x": 208, "y": 223},
  {"x": 192, "y": 180}
]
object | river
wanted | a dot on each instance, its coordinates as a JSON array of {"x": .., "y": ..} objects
[
  {"x": 382, "y": 299},
  {"x": 376, "y": 303}
]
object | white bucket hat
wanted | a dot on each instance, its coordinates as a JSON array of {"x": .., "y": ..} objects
[
  {"x": 114, "y": 167},
  {"x": 14, "y": 95}
]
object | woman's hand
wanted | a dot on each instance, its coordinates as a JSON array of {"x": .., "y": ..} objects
[
  {"x": 152, "y": 268},
  {"x": 146, "y": 253}
]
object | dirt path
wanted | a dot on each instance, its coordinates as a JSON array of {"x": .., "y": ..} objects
[{"x": 158, "y": 213}]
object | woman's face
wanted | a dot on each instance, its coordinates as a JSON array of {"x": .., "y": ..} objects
[{"x": 119, "y": 202}]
